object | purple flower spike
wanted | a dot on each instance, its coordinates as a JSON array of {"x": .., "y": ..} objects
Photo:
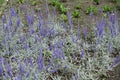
[
  {"x": 116, "y": 61},
  {"x": 111, "y": 27},
  {"x": 41, "y": 60},
  {"x": 85, "y": 31},
  {"x": 26, "y": 62},
  {"x": 31, "y": 61},
  {"x": 30, "y": 19},
  {"x": 70, "y": 20},
  {"x": 27, "y": 74},
  {"x": 10, "y": 21},
  {"x": 47, "y": 9},
  {"x": 113, "y": 17},
  {"x": 21, "y": 69},
  {"x": 1, "y": 70},
  {"x": 26, "y": 46},
  {"x": 72, "y": 37},
  {"x": 1, "y": 60},
  {"x": 10, "y": 24},
  {"x": 78, "y": 32},
  {"x": 109, "y": 47},
  {"x": 82, "y": 53},
  {"x": 91, "y": 15},
  {"x": 41, "y": 63},
  {"x": 4, "y": 41},
  {"x": 101, "y": 28},
  {"x": 35, "y": 78},
  {"x": 50, "y": 47},
  {"x": 12, "y": 12},
  {"x": 35, "y": 39},
  {"x": 4, "y": 18},
  {"x": 31, "y": 31},
  {"x": 63, "y": 54},
  {"x": 6, "y": 76},
  {"x": 18, "y": 22},
  {"x": 76, "y": 75},
  {"x": 9, "y": 70}
]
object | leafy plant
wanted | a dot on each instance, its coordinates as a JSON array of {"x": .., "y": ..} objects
[
  {"x": 91, "y": 9},
  {"x": 1, "y": 2},
  {"x": 52, "y": 2},
  {"x": 75, "y": 13},
  {"x": 118, "y": 4},
  {"x": 55, "y": 3},
  {"x": 63, "y": 9},
  {"x": 34, "y": 3},
  {"x": 97, "y": 1},
  {"x": 64, "y": 17},
  {"x": 21, "y": 1},
  {"x": 107, "y": 8},
  {"x": 77, "y": 6}
]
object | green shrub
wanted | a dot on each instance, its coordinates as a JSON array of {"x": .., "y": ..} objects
[
  {"x": 107, "y": 8},
  {"x": 34, "y": 3},
  {"x": 97, "y": 1},
  {"x": 77, "y": 6},
  {"x": 64, "y": 17},
  {"x": 75, "y": 13},
  {"x": 55, "y": 3},
  {"x": 63, "y": 9},
  {"x": 21, "y": 1},
  {"x": 118, "y": 4},
  {"x": 91, "y": 9},
  {"x": 1, "y": 2}
]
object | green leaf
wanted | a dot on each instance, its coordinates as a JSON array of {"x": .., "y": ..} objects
[{"x": 1, "y": 2}]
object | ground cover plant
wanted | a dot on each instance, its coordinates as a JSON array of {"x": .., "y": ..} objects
[{"x": 44, "y": 48}]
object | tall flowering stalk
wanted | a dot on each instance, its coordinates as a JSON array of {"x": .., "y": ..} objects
[
  {"x": 116, "y": 61},
  {"x": 70, "y": 21},
  {"x": 1, "y": 70},
  {"x": 40, "y": 60},
  {"x": 82, "y": 54},
  {"x": 30, "y": 20},
  {"x": 76, "y": 75},
  {"x": 47, "y": 9},
  {"x": 13, "y": 12},
  {"x": 21, "y": 68},
  {"x": 9, "y": 70}
]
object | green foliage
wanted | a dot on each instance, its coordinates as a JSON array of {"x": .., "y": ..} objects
[
  {"x": 64, "y": 17},
  {"x": 97, "y": 1},
  {"x": 91, "y": 9},
  {"x": 63, "y": 9},
  {"x": 21, "y": 1},
  {"x": 52, "y": 2},
  {"x": 34, "y": 3},
  {"x": 55, "y": 3},
  {"x": 78, "y": 6},
  {"x": 75, "y": 13},
  {"x": 1, "y": 2},
  {"x": 107, "y": 8},
  {"x": 59, "y": 6},
  {"x": 118, "y": 4}
]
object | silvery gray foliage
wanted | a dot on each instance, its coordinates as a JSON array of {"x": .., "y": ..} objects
[{"x": 58, "y": 47}]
